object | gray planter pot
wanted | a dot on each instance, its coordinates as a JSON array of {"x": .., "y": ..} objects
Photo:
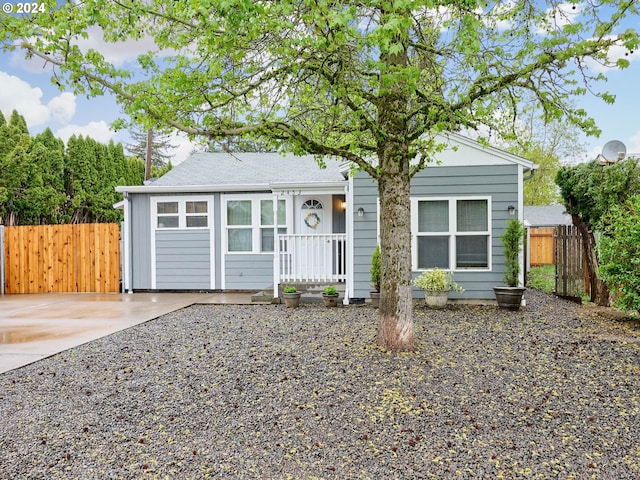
[
  {"x": 375, "y": 298},
  {"x": 436, "y": 298},
  {"x": 509, "y": 297},
  {"x": 292, "y": 300},
  {"x": 330, "y": 300}
]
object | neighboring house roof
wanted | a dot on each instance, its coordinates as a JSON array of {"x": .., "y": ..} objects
[
  {"x": 248, "y": 171},
  {"x": 546, "y": 216}
]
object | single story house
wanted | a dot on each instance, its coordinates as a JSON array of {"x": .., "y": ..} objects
[
  {"x": 546, "y": 216},
  {"x": 541, "y": 222},
  {"x": 249, "y": 221}
]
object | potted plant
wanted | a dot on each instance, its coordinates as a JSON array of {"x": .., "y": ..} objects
[
  {"x": 437, "y": 284},
  {"x": 510, "y": 296},
  {"x": 330, "y": 296},
  {"x": 291, "y": 296},
  {"x": 376, "y": 277}
]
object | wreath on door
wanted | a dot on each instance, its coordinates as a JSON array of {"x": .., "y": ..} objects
[{"x": 312, "y": 220}]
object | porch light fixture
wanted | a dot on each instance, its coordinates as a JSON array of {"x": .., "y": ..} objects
[
  {"x": 361, "y": 212},
  {"x": 511, "y": 209},
  {"x": 343, "y": 205}
]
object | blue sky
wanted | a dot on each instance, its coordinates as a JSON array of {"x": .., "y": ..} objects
[{"x": 25, "y": 85}]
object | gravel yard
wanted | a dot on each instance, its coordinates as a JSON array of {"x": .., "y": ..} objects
[{"x": 265, "y": 392}]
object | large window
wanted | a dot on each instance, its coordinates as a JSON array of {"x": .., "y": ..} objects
[
  {"x": 451, "y": 233},
  {"x": 239, "y": 226},
  {"x": 250, "y": 223},
  {"x": 267, "y": 223},
  {"x": 179, "y": 212}
]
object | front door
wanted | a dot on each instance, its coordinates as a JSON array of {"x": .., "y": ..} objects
[
  {"x": 314, "y": 223},
  {"x": 312, "y": 218}
]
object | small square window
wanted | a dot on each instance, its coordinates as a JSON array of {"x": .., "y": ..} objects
[
  {"x": 196, "y": 207},
  {"x": 167, "y": 207},
  {"x": 165, "y": 221}
]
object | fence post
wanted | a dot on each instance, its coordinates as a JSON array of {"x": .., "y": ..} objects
[{"x": 2, "y": 259}]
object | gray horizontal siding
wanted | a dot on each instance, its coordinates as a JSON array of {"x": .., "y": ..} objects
[
  {"x": 248, "y": 272},
  {"x": 365, "y": 232},
  {"x": 183, "y": 260},
  {"x": 500, "y": 182}
]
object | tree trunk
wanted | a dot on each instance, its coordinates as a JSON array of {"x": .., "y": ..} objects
[
  {"x": 395, "y": 321},
  {"x": 599, "y": 291}
]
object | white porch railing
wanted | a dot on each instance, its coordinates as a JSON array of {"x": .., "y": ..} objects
[{"x": 311, "y": 258}]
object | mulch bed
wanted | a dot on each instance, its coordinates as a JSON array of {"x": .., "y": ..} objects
[{"x": 265, "y": 392}]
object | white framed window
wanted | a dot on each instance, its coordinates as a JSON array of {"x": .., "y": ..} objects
[
  {"x": 180, "y": 212},
  {"x": 267, "y": 223},
  {"x": 249, "y": 222},
  {"x": 452, "y": 233}
]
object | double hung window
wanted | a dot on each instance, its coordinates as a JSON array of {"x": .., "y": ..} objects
[
  {"x": 451, "y": 233},
  {"x": 250, "y": 223}
]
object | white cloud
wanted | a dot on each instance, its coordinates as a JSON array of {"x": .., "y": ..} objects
[
  {"x": 99, "y": 131},
  {"x": 559, "y": 16},
  {"x": 16, "y": 94},
  {"x": 116, "y": 53},
  {"x": 184, "y": 147},
  {"x": 634, "y": 144},
  {"x": 494, "y": 18},
  {"x": 615, "y": 53},
  {"x": 63, "y": 107}
]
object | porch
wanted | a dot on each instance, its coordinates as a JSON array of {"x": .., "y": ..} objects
[{"x": 310, "y": 258}]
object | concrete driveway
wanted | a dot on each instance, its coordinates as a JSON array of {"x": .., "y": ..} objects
[{"x": 33, "y": 327}]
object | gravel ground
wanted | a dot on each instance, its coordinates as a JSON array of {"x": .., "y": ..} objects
[{"x": 551, "y": 391}]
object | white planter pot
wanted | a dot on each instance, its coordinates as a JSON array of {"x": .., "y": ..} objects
[{"x": 436, "y": 298}]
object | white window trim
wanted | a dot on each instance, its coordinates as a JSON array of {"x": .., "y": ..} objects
[
  {"x": 182, "y": 211},
  {"x": 255, "y": 221},
  {"x": 451, "y": 233}
]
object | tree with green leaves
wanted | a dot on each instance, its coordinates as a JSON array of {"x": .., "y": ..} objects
[
  {"x": 545, "y": 144},
  {"x": 160, "y": 146},
  {"x": 15, "y": 168},
  {"x": 45, "y": 195},
  {"x": 620, "y": 253},
  {"x": 372, "y": 82},
  {"x": 589, "y": 190}
]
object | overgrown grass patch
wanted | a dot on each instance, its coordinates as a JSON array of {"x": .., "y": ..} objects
[{"x": 542, "y": 278}]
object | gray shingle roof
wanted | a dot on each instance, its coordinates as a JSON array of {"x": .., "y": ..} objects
[
  {"x": 249, "y": 168},
  {"x": 546, "y": 216}
]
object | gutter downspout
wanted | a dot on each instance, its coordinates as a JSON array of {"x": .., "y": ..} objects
[
  {"x": 526, "y": 260},
  {"x": 126, "y": 244},
  {"x": 2, "y": 259},
  {"x": 276, "y": 251},
  {"x": 531, "y": 174},
  {"x": 350, "y": 283}
]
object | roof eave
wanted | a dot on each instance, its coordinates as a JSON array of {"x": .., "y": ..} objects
[
  {"x": 309, "y": 187},
  {"x": 252, "y": 187}
]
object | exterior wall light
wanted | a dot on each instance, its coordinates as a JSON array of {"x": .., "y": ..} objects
[{"x": 361, "y": 212}]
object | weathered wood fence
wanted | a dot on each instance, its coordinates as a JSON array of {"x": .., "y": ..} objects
[
  {"x": 541, "y": 246},
  {"x": 571, "y": 274},
  {"x": 62, "y": 258}
]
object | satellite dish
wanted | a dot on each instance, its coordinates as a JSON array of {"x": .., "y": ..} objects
[{"x": 614, "y": 150}]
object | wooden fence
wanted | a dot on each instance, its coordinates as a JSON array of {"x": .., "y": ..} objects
[
  {"x": 62, "y": 258},
  {"x": 572, "y": 279},
  {"x": 541, "y": 246}
]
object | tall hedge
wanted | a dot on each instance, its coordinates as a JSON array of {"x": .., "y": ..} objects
[{"x": 620, "y": 253}]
